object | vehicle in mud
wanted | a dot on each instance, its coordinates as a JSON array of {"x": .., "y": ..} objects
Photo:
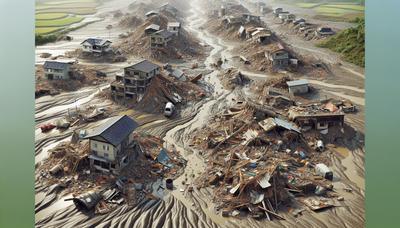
[{"x": 169, "y": 109}]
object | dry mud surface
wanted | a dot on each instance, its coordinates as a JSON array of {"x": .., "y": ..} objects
[{"x": 177, "y": 209}]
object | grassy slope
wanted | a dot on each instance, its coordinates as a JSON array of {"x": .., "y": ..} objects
[{"x": 350, "y": 43}]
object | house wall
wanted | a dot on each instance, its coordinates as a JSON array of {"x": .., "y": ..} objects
[
  {"x": 57, "y": 74},
  {"x": 301, "y": 89},
  {"x": 104, "y": 150},
  {"x": 173, "y": 29}
]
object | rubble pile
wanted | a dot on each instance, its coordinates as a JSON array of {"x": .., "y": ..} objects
[
  {"x": 163, "y": 90},
  {"x": 113, "y": 56},
  {"x": 130, "y": 21},
  {"x": 138, "y": 42},
  {"x": 80, "y": 76},
  {"x": 166, "y": 163},
  {"x": 232, "y": 77},
  {"x": 259, "y": 164}
]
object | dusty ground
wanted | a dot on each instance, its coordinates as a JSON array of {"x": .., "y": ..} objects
[{"x": 195, "y": 209}]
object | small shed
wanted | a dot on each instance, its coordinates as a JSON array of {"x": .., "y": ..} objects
[{"x": 298, "y": 86}]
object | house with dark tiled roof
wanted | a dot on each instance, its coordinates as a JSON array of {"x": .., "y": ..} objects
[
  {"x": 112, "y": 145},
  {"x": 96, "y": 45},
  {"x": 56, "y": 70}
]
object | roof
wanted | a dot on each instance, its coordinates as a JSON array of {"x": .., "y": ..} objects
[
  {"x": 297, "y": 82},
  {"x": 115, "y": 130},
  {"x": 271, "y": 123},
  {"x": 164, "y": 33},
  {"x": 277, "y": 47},
  {"x": 144, "y": 66},
  {"x": 96, "y": 41},
  {"x": 153, "y": 26},
  {"x": 174, "y": 24},
  {"x": 150, "y": 13},
  {"x": 56, "y": 65}
]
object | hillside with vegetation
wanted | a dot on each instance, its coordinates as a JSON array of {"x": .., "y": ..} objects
[{"x": 350, "y": 43}]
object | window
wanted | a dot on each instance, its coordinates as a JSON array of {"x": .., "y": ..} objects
[
  {"x": 104, "y": 147},
  {"x": 106, "y": 155},
  {"x": 94, "y": 152},
  {"x": 108, "y": 147},
  {"x": 95, "y": 145}
]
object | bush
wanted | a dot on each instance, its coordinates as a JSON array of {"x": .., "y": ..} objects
[
  {"x": 350, "y": 43},
  {"x": 43, "y": 39}
]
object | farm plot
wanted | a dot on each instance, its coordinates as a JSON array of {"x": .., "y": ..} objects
[{"x": 55, "y": 16}]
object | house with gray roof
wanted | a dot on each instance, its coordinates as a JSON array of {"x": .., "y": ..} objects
[
  {"x": 56, "y": 70},
  {"x": 160, "y": 38},
  {"x": 96, "y": 45},
  {"x": 112, "y": 145},
  {"x": 298, "y": 86}
]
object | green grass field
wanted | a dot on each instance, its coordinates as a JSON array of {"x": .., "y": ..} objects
[
  {"x": 307, "y": 5},
  {"x": 335, "y": 11},
  {"x": 50, "y": 16},
  {"x": 59, "y": 22},
  {"x": 47, "y": 30},
  {"x": 57, "y": 15}
]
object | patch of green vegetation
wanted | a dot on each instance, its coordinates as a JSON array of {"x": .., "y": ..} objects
[
  {"x": 50, "y": 16},
  {"x": 346, "y": 7},
  {"x": 58, "y": 22},
  {"x": 43, "y": 39},
  {"x": 350, "y": 43},
  {"x": 47, "y": 30},
  {"x": 307, "y": 5},
  {"x": 76, "y": 11}
]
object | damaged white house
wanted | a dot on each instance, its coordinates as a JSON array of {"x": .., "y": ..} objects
[
  {"x": 112, "y": 145},
  {"x": 96, "y": 45}
]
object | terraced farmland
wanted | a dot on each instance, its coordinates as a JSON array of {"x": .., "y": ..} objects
[{"x": 55, "y": 16}]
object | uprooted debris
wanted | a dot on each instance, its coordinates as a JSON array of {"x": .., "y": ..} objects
[
  {"x": 68, "y": 164},
  {"x": 259, "y": 162},
  {"x": 162, "y": 90},
  {"x": 80, "y": 76},
  {"x": 181, "y": 46},
  {"x": 231, "y": 78}
]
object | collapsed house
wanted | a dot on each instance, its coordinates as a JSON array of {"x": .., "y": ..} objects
[
  {"x": 278, "y": 56},
  {"x": 258, "y": 165},
  {"x": 232, "y": 21},
  {"x": 111, "y": 144},
  {"x": 96, "y": 46},
  {"x": 248, "y": 18},
  {"x": 56, "y": 70},
  {"x": 133, "y": 82},
  {"x": 311, "y": 117},
  {"x": 160, "y": 39}
]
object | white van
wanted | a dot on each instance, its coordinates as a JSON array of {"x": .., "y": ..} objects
[{"x": 169, "y": 109}]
